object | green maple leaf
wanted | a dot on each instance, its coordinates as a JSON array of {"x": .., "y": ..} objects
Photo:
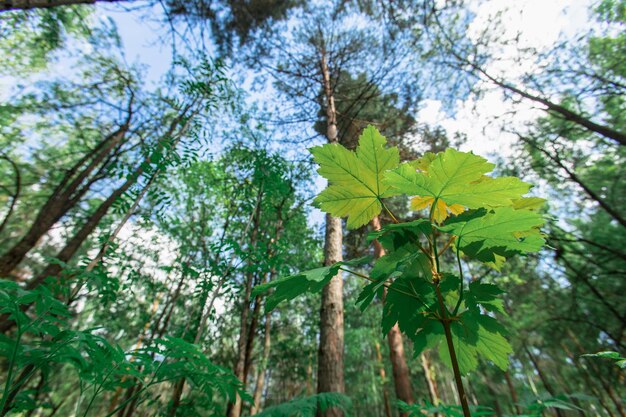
[
  {"x": 486, "y": 295},
  {"x": 502, "y": 231},
  {"x": 476, "y": 335},
  {"x": 456, "y": 178},
  {"x": 288, "y": 288},
  {"x": 355, "y": 187},
  {"x": 292, "y": 286}
]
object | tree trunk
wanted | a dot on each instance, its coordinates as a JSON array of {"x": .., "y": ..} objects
[
  {"x": 330, "y": 355},
  {"x": 262, "y": 366},
  {"x": 513, "y": 392},
  {"x": 72, "y": 246},
  {"x": 577, "y": 180},
  {"x": 401, "y": 377},
  {"x": 256, "y": 312},
  {"x": 615, "y": 398},
  {"x": 76, "y": 241},
  {"x": 590, "y": 384},
  {"x": 66, "y": 194},
  {"x": 188, "y": 336},
  {"x": 542, "y": 377},
  {"x": 383, "y": 380},
  {"x": 234, "y": 410},
  {"x": 433, "y": 389}
]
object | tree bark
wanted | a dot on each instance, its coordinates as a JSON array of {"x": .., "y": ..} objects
[
  {"x": 513, "y": 392},
  {"x": 400, "y": 369},
  {"x": 383, "y": 380},
  {"x": 433, "y": 389},
  {"x": 262, "y": 366},
  {"x": 93, "y": 221},
  {"x": 330, "y": 376},
  {"x": 234, "y": 410},
  {"x": 16, "y": 194},
  {"x": 65, "y": 195},
  {"x": 72, "y": 246}
]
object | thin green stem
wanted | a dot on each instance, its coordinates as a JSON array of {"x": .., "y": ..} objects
[
  {"x": 370, "y": 279},
  {"x": 97, "y": 391},
  {"x": 144, "y": 388},
  {"x": 445, "y": 319},
  {"x": 433, "y": 245},
  {"x": 458, "y": 261},
  {"x": 393, "y": 218}
]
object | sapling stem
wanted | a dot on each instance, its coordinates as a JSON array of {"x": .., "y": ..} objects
[
  {"x": 453, "y": 359},
  {"x": 445, "y": 320}
]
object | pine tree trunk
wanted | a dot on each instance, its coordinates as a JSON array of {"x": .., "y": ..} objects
[{"x": 330, "y": 354}]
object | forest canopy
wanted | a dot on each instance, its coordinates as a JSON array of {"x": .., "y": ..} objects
[{"x": 312, "y": 208}]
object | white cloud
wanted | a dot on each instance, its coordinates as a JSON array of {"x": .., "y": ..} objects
[{"x": 537, "y": 24}]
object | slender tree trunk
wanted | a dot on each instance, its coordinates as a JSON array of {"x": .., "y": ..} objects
[
  {"x": 17, "y": 387},
  {"x": 142, "y": 335},
  {"x": 16, "y": 194},
  {"x": 383, "y": 380},
  {"x": 542, "y": 377},
  {"x": 309, "y": 377},
  {"x": 539, "y": 371},
  {"x": 67, "y": 193},
  {"x": 433, "y": 389},
  {"x": 235, "y": 409},
  {"x": 74, "y": 244},
  {"x": 400, "y": 369},
  {"x": 195, "y": 335},
  {"x": 512, "y": 392},
  {"x": 330, "y": 376},
  {"x": 615, "y": 399},
  {"x": 256, "y": 312},
  {"x": 93, "y": 221},
  {"x": 262, "y": 366},
  {"x": 258, "y": 301},
  {"x": 577, "y": 180},
  {"x": 189, "y": 336},
  {"x": 590, "y": 384}
]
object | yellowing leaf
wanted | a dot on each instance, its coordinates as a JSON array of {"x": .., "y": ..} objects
[
  {"x": 442, "y": 210},
  {"x": 355, "y": 186},
  {"x": 457, "y": 178}
]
